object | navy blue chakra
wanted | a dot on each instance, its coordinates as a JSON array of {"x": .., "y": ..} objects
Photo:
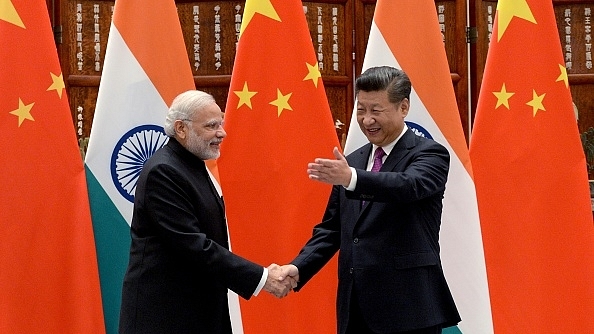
[
  {"x": 131, "y": 152},
  {"x": 418, "y": 130}
]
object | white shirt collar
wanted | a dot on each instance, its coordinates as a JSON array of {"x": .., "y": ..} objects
[{"x": 388, "y": 148}]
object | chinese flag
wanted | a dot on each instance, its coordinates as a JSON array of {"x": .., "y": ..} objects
[
  {"x": 277, "y": 120},
  {"x": 531, "y": 179},
  {"x": 49, "y": 281}
]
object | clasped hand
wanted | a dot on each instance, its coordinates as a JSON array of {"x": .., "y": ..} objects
[{"x": 281, "y": 279}]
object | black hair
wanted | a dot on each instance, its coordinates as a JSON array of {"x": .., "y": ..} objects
[{"x": 393, "y": 80}]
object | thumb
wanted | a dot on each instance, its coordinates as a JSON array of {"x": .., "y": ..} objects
[{"x": 337, "y": 154}]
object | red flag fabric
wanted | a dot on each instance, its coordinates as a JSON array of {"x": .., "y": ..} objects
[
  {"x": 277, "y": 120},
  {"x": 531, "y": 179},
  {"x": 49, "y": 280}
]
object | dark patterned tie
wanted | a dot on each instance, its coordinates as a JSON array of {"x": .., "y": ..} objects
[
  {"x": 377, "y": 165},
  {"x": 377, "y": 159}
]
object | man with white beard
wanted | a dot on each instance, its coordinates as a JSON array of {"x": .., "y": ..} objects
[{"x": 180, "y": 264}]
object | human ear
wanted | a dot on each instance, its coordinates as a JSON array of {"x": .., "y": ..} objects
[
  {"x": 180, "y": 128},
  {"x": 404, "y": 106}
]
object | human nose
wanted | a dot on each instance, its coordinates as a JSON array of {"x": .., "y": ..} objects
[
  {"x": 221, "y": 133},
  {"x": 366, "y": 119}
]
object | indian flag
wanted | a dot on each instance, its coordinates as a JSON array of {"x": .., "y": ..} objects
[
  {"x": 405, "y": 34},
  {"x": 146, "y": 66}
]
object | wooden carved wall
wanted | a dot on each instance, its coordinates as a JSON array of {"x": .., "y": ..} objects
[
  {"x": 210, "y": 31},
  {"x": 339, "y": 31}
]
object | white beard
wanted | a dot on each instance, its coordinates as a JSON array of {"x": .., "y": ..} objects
[{"x": 201, "y": 148}]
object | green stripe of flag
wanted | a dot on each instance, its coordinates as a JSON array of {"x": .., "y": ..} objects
[{"x": 112, "y": 240}]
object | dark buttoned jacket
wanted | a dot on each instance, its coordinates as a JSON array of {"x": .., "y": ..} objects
[
  {"x": 180, "y": 264},
  {"x": 389, "y": 255}
]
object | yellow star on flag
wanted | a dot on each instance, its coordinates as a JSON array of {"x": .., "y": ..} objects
[
  {"x": 9, "y": 14},
  {"x": 313, "y": 73},
  {"x": 507, "y": 10},
  {"x": 536, "y": 102},
  {"x": 281, "y": 102},
  {"x": 57, "y": 84},
  {"x": 263, "y": 7},
  {"x": 503, "y": 97},
  {"x": 23, "y": 112},
  {"x": 245, "y": 96},
  {"x": 563, "y": 76}
]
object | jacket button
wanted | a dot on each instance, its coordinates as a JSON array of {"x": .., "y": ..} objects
[
  {"x": 356, "y": 240},
  {"x": 351, "y": 271}
]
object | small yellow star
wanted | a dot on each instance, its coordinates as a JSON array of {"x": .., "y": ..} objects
[
  {"x": 503, "y": 97},
  {"x": 536, "y": 103},
  {"x": 263, "y": 7},
  {"x": 507, "y": 10},
  {"x": 281, "y": 102},
  {"x": 23, "y": 112},
  {"x": 563, "y": 76},
  {"x": 9, "y": 14},
  {"x": 57, "y": 84},
  {"x": 313, "y": 73},
  {"x": 245, "y": 96}
]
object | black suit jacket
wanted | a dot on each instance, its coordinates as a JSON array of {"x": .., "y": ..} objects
[
  {"x": 180, "y": 266},
  {"x": 389, "y": 251}
]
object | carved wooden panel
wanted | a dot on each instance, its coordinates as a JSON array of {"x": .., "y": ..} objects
[
  {"x": 84, "y": 35},
  {"x": 210, "y": 30},
  {"x": 482, "y": 17}
]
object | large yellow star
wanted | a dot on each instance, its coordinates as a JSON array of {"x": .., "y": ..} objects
[
  {"x": 563, "y": 76},
  {"x": 313, "y": 73},
  {"x": 507, "y": 10},
  {"x": 9, "y": 14},
  {"x": 281, "y": 102},
  {"x": 23, "y": 112},
  {"x": 503, "y": 97},
  {"x": 536, "y": 102},
  {"x": 245, "y": 96},
  {"x": 57, "y": 84},
  {"x": 263, "y": 7}
]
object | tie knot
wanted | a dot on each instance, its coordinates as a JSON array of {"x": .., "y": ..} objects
[
  {"x": 377, "y": 159},
  {"x": 379, "y": 153}
]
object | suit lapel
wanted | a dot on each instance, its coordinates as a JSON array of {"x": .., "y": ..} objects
[
  {"x": 360, "y": 157},
  {"x": 400, "y": 150}
]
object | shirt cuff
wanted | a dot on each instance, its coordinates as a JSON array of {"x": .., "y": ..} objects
[
  {"x": 353, "y": 183},
  {"x": 262, "y": 281}
]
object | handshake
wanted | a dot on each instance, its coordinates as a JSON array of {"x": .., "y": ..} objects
[{"x": 281, "y": 279}]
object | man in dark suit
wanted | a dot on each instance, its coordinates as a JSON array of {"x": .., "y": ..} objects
[
  {"x": 384, "y": 220},
  {"x": 180, "y": 264}
]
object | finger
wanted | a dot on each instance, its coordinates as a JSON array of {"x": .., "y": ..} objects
[
  {"x": 322, "y": 163},
  {"x": 313, "y": 171}
]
